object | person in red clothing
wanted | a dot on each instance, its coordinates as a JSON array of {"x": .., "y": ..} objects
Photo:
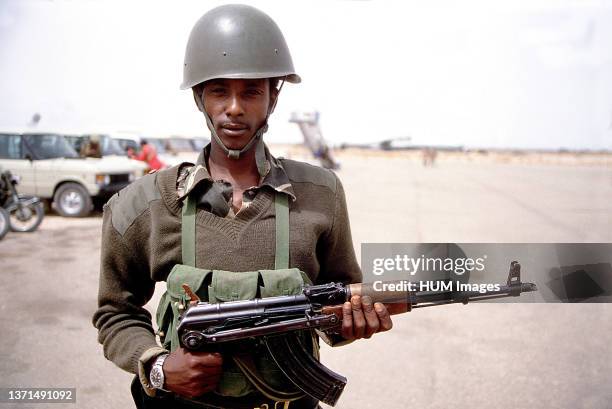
[{"x": 148, "y": 154}]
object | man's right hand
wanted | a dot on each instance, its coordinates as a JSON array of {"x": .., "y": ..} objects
[{"x": 192, "y": 374}]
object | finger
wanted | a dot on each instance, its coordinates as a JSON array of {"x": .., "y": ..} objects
[
  {"x": 209, "y": 379},
  {"x": 208, "y": 359},
  {"x": 205, "y": 388},
  {"x": 383, "y": 316},
  {"x": 370, "y": 316},
  {"x": 211, "y": 372},
  {"x": 359, "y": 322},
  {"x": 347, "y": 321},
  {"x": 209, "y": 382}
]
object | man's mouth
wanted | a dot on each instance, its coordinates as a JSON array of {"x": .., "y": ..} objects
[
  {"x": 234, "y": 126},
  {"x": 234, "y": 129}
]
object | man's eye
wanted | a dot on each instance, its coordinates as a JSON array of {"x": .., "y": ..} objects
[{"x": 254, "y": 91}]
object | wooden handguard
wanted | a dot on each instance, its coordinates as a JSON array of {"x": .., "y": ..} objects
[
  {"x": 381, "y": 292},
  {"x": 396, "y": 301},
  {"x": 393, "y": 309}
]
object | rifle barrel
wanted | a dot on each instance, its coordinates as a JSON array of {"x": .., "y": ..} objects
[{"x": 431, "y": 298}]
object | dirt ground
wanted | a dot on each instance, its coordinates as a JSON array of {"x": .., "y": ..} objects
[{"x": 475, "y": 356}]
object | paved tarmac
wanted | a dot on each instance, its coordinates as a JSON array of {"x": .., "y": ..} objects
[{"x": 475, "y": 356}]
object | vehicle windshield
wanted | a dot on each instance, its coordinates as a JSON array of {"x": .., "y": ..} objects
[
  {"x": 50, "y": 146},
  {"x": 199, "y": 143},
  {"x": 126, "y": 143},
  {"x": 111, "y": 147},
  {"x": 180, "y": 145},
  {"x": 159, "y": 145}
]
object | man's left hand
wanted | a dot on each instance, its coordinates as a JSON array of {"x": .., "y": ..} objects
[{"x": 362, "y": 319}]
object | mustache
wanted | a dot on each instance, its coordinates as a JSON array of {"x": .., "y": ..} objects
[{"x": 234, "y": 124}]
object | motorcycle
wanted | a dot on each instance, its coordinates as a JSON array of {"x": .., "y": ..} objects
[
  {"x": 25, "y": 213},
  {"x": 4, "y": 222}
]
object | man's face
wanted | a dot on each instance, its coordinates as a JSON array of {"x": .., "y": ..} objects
[{"x": 237, "y": 108}]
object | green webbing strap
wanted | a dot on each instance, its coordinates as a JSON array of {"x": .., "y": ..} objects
[
  {"x": 188, "y": 237},
  {"x": 281, "y": 208}
]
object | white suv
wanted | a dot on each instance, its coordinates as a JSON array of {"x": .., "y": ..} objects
[{"x": 51, "y": 169}]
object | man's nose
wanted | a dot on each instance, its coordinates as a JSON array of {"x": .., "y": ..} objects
[{"x": 234, "y": 106}]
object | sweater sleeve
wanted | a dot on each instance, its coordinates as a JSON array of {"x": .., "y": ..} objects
[
  {"x": 337, "y": 254},
  {"x": 124, "y": 326},
  {"x": 339, "y": 263}
]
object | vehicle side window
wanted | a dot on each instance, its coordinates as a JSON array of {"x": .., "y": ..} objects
[{"x": 10, "y": 146}]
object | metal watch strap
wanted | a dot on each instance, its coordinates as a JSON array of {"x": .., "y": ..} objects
[{"x": 158, "y": 365}]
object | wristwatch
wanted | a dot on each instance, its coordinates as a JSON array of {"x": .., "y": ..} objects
[{"x": 156, "y": 377}]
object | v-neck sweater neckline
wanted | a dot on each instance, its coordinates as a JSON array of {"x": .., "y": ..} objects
[{"x": 229, "y": 226}]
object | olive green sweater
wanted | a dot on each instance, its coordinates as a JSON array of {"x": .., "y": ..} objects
[{"x": 141, "y": 242}]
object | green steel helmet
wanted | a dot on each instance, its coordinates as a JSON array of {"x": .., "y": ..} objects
[{"x": 236, "y": 41}]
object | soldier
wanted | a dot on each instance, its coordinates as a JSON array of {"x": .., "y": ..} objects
[{"x": 236, "y": 63}]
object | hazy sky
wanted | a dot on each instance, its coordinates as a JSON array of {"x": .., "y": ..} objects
[{"x": 478, "y": 74}]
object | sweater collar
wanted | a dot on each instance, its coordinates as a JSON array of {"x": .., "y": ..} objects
[{"x": 274, "y": 176}]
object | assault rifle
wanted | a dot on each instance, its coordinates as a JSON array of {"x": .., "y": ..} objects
[{"x": 276, "y": 320}]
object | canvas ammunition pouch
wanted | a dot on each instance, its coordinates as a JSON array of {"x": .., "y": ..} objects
[{"x": 253, "y": 369}]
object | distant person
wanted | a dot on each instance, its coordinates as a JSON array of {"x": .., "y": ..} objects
[
  {"x": 148, "y": 154},
  {"x": 429, "y": 157},
  {"x": 91, "y": 148}
]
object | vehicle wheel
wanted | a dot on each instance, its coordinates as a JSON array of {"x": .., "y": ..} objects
[
  {"x": 26, "y": 217},
  {"x": 72, "y": 200},
  {"x": 4, "y": 222}
]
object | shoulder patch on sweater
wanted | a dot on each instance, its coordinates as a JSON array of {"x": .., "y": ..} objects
[
  {"x": 305, "y": 172},
  {"x": 129, "y": 203}
]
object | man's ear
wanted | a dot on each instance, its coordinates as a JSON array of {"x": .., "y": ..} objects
[{"x": 197, "y": 97}]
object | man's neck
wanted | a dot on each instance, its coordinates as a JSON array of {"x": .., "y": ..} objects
[{"x": 242, "y": 171}]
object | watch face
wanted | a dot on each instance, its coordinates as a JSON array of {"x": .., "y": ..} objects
[{"x": 156, "y": 377}]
